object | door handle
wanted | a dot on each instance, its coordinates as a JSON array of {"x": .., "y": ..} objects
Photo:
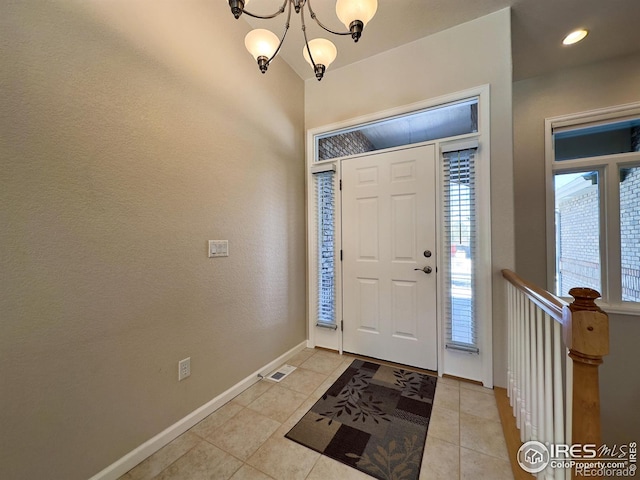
[{"x": 426, "y": 269}]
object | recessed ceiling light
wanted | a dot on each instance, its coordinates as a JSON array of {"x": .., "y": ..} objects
[{"x": 574, "y": 37}]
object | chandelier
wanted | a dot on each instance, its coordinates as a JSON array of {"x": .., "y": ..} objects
[{"x": 264, "y": 45}]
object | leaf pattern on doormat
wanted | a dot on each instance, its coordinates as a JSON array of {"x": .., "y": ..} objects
[
  {"x": 410, "y": 382},
  {"x": 392, "y": 462},
  {"x": 355, "y": 401}
]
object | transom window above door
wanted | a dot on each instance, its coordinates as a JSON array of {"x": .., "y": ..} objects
[{"x": 441, "y": 121}]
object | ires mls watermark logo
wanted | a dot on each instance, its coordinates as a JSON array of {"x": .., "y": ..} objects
[
  {"x": 533, "y": 456},
  {"x": 586, "y": 460}
]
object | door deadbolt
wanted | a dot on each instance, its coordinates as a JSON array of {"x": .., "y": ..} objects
[{"x": 427, "y": 253}]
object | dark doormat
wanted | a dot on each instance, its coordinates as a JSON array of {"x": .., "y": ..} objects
[{"x": 373, "y": 418}]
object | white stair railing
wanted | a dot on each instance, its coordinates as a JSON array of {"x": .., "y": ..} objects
[{"x": 547, "y": 338}]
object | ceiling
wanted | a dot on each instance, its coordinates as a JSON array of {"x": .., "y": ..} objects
[{"x": 538, "y": 27}]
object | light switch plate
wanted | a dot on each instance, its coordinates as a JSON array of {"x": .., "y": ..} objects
[{"x": 218, "y": 248}]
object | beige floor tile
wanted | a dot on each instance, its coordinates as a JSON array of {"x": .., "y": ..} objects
[
  {"x": 475, "y": 465},
  {"x": 164, "y": 457},
  {"x": 341, "y": 368},
  {"x": 300, "y": 357},
  {"x": 329, "y": 469},
  {"x": 323, "y": 362},
  {"x": 203, "y": 462},
  {"x": 445, "y": 425},
  {"x": 207, "y": 426},
  {"x": 278, "y": 403},
  {"x": 328, "y": 352},
  {"x": 452, "y": 382},
  {"x": 447, "y": 396},
  {"x": 242, "y": 435},
  {"x": 482, "y": 435},
  {"x": 348, "y": 357},
  {"x": 283, "y": 459},
  {"x": 303, "y": 380},
  {"x": 330, "y": 380},
  {"x": 253, "y": 392},
  {"x": 247, "y": 472},
  {"x": 476, "y": 387},
  {"x": 322, "y": 389},
  {"x": 480, "y": 404},
  {"x": 441, "y": 460},
  {"x": 295, "y": 417}
]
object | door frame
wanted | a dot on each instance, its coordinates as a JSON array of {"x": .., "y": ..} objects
[{"x": 457, "y": 364}]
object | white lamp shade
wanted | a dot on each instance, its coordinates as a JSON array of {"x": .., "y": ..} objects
[
  {"x": 322, "y": 50},
  {"x": 261, "y": 43},
  {"x": 351, "y": 10}
]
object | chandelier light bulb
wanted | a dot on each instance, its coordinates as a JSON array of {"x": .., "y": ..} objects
[
  {"x": 261, "y": 43},
  {"x": 323, "y": 53},
  {"x": 322, "y": 50},
  {"x": 349, "y": 11}
]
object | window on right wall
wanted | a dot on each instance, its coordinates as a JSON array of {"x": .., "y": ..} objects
[{"x": 593, "y": 163}]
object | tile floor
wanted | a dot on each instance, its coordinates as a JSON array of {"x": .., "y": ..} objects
[{"x": 244, "y": 439}]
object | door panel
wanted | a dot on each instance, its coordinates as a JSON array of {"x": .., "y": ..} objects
[
  {"x": 403, "y": 226},
  {"x": 367, "y": 229},
  {"x": 368, "y": 300},
  {"x": 404, "y": 305},
  {"x": 389, "y": 219}
]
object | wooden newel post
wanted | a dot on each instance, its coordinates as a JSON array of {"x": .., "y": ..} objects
[{"x": 586, "y": 334}]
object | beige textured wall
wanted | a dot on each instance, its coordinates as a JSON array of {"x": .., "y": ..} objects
[
  {"x": 131, "y": 132},
  {"x": 571, "y": 91},
  {"x": 466, "y": 56}
]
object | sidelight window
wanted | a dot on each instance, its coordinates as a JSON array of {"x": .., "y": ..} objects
[
  {"x": 325, "y": 254},
  {"x": 459, "y": 242}
]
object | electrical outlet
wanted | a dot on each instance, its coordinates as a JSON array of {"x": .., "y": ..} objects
[{"x": 184, "y": 368}]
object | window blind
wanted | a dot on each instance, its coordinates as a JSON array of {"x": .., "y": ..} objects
[
  {"x": 325, "y": 214},
  {"x": 459, "y": 230}
]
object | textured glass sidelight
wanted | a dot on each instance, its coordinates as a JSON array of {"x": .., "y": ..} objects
[
  {"x": 459, "y": 226},
  {"x": 325, "y": 214}
]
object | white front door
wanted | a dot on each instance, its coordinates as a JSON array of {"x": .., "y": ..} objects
[{"x": 388, "y": 238}]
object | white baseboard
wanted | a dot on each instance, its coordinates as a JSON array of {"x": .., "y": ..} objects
[{"x": 148, "y": 448}]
